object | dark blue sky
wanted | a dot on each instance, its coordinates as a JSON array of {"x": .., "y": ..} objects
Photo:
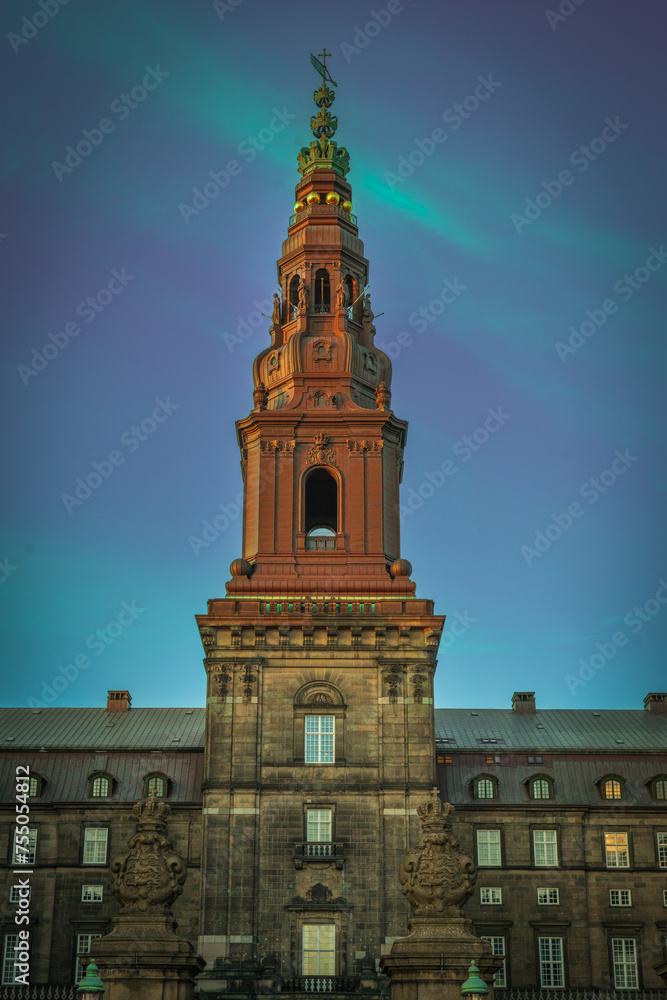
[{"x": 507, "y": 165}]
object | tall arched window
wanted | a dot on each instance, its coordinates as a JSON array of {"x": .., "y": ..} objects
[
  {"x": 100, "y": 785},
  {"x": 349, "y": 286},
  {"x": 486, "y": 787},
  {"x": 612, "y": 787},
  {"x": 321, "y": 510},
  {"x": 322, "y": 291},
  {"x": 540, "y": 787},
  {"x": 294, "y": 295}
]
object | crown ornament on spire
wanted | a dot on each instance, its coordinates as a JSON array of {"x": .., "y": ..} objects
[{"x": 323, "y": 153}]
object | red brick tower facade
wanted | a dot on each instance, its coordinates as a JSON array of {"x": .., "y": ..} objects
[{"x": 320, "y": 659}]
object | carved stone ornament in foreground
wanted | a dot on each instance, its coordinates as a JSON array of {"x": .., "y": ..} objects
[
  {"x": 150, "y": 875},
  {"x": 436, "y": 876}
]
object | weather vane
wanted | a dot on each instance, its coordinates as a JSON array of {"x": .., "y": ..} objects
[{"x": 321, "y": 67}]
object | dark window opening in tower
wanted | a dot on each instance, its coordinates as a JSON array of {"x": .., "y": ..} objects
[
  {"x": 349, "y": 288},
  {"x": 321, "y": 510},
  {"x": 294, "y": 295},
  {"x": 322, "y": 291}
]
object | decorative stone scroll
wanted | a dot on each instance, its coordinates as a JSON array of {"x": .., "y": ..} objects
[
  {"x": 436, "y": 876},
  {"x": 150, "y": 875}
]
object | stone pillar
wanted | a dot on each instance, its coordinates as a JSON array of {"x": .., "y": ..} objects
[
  {"x": 437, "y": 878},
  {"x": 143, "y": 958}
]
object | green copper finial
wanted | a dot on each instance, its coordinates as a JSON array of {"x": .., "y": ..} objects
[
  {"x": 91, "y": 982},
  {"x": 323, "y": 153},
  {"x": 474, "y": 984}
]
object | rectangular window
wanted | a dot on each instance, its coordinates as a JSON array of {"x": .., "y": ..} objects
[
  {"x": 488, "y": 848},
  {"x": 318, "y": 825},
  {"x": 490, "y": 895},
  {"x": 83, "y": 943},
  {"x": 95, "y": 845},
  {"x": 616, "y": 850},
  {"x": 664, "y": 897},
  {"x": 662, "y": 849},
  {"x": 498, "y": 948},
  {"x": 549, "y": 897},
  {"x": 24, "y": 853},
  {"x": 624, "y": 957},
  {"x": 8, "y": 957},
  {"x": 319, "y": 739},
  {"x": 92, "y": 893},
  {"x": 551, "y": 962},
  {"x": 15, "y": 893},
  {"x": 545, "y": 848},
  {"x": 318, "y": 954},
  {"x": 620, "y": 897}
]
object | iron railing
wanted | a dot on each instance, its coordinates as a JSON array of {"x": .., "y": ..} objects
[
  {"x": 321, "y": 984},
  {"x": 318, "y": 850},
  {"x": 535, "y": 993},
  {"x": 38, "y": 992}
]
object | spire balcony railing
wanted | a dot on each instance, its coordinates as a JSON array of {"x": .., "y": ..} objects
[
  {"x": 320, "y": 542},
  {"x": 316, "y": 607},
  {"x": 311, "y": 210}
]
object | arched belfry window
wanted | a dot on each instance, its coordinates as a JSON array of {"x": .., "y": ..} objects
[
  {"x": 294, "y": 294},
  {"x": 349, "y": 288},
  {"x": 322, "y": 291},
  {"x": 320, "y": 510}
]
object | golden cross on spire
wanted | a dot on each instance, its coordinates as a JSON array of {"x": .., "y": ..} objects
[{"x": 321, "y": 67}]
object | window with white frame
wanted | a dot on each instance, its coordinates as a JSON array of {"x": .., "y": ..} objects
[
  {"x": 490, "y": 895},
  {"x": 319, "y": 739},
  {"x": 8, "y": 959},
  {"x": 624, "y": 958},
  {"x": 92, "y": 893},
  {"x": 99, "y": 787},
  {"x": 25, "y": 851},
  {"x": 616, "y": 850},
  {"x": 83, "y": 943},
  {"x": 485, "y": 787},
  {"x": 488, "y": 848},
  {"x": 17, "y": 893},
  {"x": 620, "y": 897},
  {"x": 660, "y": 789},
  {"x": 545, "y": 848},
  {"x": 95, "y": 845},
  {"x": 318, "y": 955},
  {"x": 662, "y": 849},
  {"x": 552, "y": 973},
  {"x": 548, "y": 897},
  {"x": 540, "y": 788},
  {"x": 318, "y": 825},
  {"x": 498, "y": 948},
  {"x": 664, "y": 897}
]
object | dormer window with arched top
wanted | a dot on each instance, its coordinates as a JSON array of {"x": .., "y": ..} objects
[
  {"x": 100, "y": 785},
  {"x": 156, "y": 783},
  {"x": 485, "y": 786},
  {"x": 322, "y": 291},
  {"x": 541, "y": 787},
  {"x": 611, "y": 787}
]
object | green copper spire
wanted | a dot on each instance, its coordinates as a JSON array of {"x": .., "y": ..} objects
[{"x": 323, "y": 154}]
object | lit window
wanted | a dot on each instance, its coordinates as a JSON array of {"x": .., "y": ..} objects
[
  {"x": 16, "y": 893},
  {"x": 540, "y": 788},
  {"x": 95, "y": 845},
  {"x": 318, "y": 954},
  {"x": 488, "y": 848},
  {"x": 551, "y": 962},
  {"x": 318, "y": 825},
  {"x": 25, "y": 847},
  {"x": 616, "y": 850},
  {"x": 659, "y": 789},
  {"x": 92, "y": 893},
  {"x": 545, "y": 848},
  {"x": 319, "y": 739},
  {"x": 8, "y": 959},
  {"x": 620, "y": 897},
  {"x": 485, "y": 788},
  {"x": 34, "y": 786},
  {"x": 156, "y": 784},
  {"x": 490, "y": 895},
  {"x": 612, "y": 789},
  {"x": 498, "y": 948},
  {"x": 624, "y": 957},
  {"x": 548, "y": 897},
  {"x": 83, "y": 943},
  {"x": 662, "y": 849},
  {"x": 99, "y": 787}
]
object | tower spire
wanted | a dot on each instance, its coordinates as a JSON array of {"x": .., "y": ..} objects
[{"x": 323, "y": 153}]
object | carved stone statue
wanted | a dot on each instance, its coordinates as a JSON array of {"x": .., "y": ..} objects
[
  {"x": 341, "y": 295},
  {"x": 150, "y": 875},
  {"x": 275, "y": 318},
  {"x": 436, "y": 876},
  {"x": 303, "y": 294}
]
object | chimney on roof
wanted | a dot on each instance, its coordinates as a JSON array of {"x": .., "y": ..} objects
[
  {"x": 118, "y": 701},
  {"x": 656, "y": 702},
  {"x": 523, "y": 702}
]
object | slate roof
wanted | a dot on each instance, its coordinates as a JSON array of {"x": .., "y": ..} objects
[
  {"x": 99, "y": 729},
  {"x": 494, "y": 730}
]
